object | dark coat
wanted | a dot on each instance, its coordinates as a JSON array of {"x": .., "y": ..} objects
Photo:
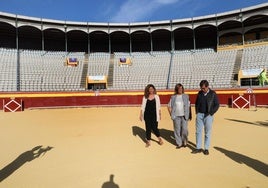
[{"x": 212, "y": 102}]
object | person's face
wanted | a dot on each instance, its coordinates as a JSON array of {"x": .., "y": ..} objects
[
  {"x": 151, "y": 90},
  {"x": 204, "y": 88},
  {"x": 180, "y": 89}
]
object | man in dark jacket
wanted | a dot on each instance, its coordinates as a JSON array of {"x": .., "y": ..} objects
[{"x": 206, "y": 105}]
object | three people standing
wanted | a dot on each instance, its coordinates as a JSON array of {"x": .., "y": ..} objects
[{"x": 179, "y": 108}]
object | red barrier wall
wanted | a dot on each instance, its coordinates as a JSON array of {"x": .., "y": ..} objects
[{"x": 80, "y": 99}]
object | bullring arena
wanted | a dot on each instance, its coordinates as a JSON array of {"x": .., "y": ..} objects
[{"x": 70, "y": 109}]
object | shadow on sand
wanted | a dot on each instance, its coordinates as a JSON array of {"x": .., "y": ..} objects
[
  {"x": 258, "y": 123},
  {"x": 242, "y": 159},
  {"x": 167, "y": 135},
  {"x": 27, "y": 156},
  {"x": 140, "y": 132},
  {"x": 110, "y": 183}
]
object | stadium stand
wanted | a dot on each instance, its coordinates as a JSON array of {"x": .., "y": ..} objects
[
  {"x": 129, "y": 56},
  {"x": 189, "y": 67},
  {"x": 145, "y": 68},
  {"x": 255, "y": 57},
  {"x": 47, "y": 71},
  {"x": 8, "y": 67},
  {"x": 98, "y": 66},
  {"x": 254, "y": 60}
]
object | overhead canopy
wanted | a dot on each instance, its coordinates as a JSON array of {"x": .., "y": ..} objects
[
  {"x": 97, "y": 82},
  {"x": 248, "y": 74}
]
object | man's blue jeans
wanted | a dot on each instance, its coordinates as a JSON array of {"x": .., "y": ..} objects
[{"x": 203, "y": 122}]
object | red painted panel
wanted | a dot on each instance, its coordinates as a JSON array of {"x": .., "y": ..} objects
[
  {"x": 67, "y": 100},
  {"x": 12, "y": 105}
]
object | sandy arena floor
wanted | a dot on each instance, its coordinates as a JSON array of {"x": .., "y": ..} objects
[{"x": 100, "y": 147}]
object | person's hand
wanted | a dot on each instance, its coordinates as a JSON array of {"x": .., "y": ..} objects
[{"x": 141, "y": 118}]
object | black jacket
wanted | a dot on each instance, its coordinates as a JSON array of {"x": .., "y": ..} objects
[{"x": 212, "y": 102}]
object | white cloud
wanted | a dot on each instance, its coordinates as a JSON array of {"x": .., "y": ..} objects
[
  {"x": 166, "y": 1},
  {"x": 136, "y": 10}
]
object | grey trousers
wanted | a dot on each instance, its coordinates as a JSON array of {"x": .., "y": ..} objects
[{"x": 180, "y": 130}]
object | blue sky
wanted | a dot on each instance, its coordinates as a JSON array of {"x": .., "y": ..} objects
[{"x": 121, "y": 11}]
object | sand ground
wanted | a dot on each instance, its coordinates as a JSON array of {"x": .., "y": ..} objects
[{"x": 103, "y": 146}]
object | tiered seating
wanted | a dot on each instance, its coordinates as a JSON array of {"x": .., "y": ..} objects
[
  {"x": 255, "y": 57},
  {"x": 146, "y": 68},
  {"x": 224, "y": 68},
  {"x": 98, "y": 64},
  {"x": 8, "y": 67},
  {"x": 46, "y": 71},
  {"x": 190, "y": 67}
]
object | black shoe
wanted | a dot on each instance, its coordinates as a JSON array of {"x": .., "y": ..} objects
[
  {"x": 178, "y": 147},
  {"x": 206, "y": 152},
  {"x": 197, "y": 151}
]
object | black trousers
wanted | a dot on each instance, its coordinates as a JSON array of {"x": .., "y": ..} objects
[{"x": 151, "y": 125}]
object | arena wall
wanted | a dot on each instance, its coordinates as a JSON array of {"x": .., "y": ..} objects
[{"x": 256, "y": 97}]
